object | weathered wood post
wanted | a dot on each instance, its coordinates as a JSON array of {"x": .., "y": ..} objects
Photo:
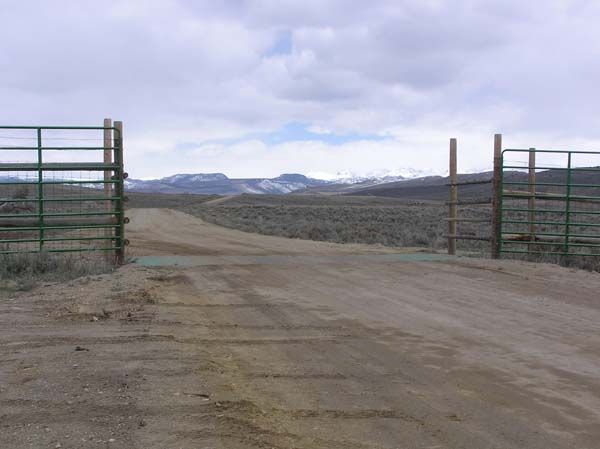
[
  {"x": 453, "y": 200},
  {"x": 119, "y": 191},
  {"x": 531, "y": 201},
  {"x": 108, "y": 189},
  {"x": 497, "y": 197}
]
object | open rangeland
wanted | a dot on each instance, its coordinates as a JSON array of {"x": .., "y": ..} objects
[
  {"x": 394, "y": 222},
  {"x": 218, "y": 338}
]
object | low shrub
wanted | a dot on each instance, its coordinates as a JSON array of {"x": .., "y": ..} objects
[
  {"x": 24, "y": 271},
  {"x": 400, "y": 225}
]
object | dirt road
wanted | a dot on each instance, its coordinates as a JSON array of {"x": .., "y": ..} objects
[{"x": 264, "y": 342}]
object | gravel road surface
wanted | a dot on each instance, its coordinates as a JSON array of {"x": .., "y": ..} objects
[{"x": 304, "y": 345}]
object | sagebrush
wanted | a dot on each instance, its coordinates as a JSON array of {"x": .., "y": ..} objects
[
  {"x": 23, "y": 271},
  {"x": 344, "y": 220}
]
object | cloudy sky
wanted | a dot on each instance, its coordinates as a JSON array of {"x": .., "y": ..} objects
[{"x": 262, "y": 87}]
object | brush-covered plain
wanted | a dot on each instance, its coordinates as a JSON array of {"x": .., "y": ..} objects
[{"x": 338, "y": 219}]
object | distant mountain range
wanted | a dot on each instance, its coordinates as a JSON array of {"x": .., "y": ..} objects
[
  {"x": 220, "y": 184},
  {"x": 401, "y": 184},
  {"x": 436, "y": 187},
  {"x": 407, "y": 185}
]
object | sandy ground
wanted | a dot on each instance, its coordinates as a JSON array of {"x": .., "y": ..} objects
[{"x": 335, "y": 353}]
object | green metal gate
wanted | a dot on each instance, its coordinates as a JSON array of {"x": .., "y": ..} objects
[
  {"x": 62, "y": 189},
  {"x": 550, "y": 207}
]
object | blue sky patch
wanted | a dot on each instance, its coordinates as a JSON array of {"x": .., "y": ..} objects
[
  {"x": 299, "y": 132},
  {"x": 290, "y": 132},
  {"x": 283, "y": 44}
]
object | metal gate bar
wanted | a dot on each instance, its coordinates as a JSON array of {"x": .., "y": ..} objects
[
  {"x": 567, "y": 240},
  {"x": 108, "y": 215}
]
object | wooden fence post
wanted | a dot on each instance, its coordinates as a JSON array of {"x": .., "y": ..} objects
[
  {"x": 119, "y": 191},
  {"x": 531, "y": 201},
  {"x": 108, "y": 190},
  {"x": 497, "y": 197},
  {"x": 453, "y": 200}
]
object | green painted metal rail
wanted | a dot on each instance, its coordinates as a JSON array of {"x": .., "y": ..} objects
[
  {"x": 537, "y": 217},
  {"x": 68, "y": 212}
]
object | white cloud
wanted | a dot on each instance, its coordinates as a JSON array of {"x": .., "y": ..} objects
[{"x": 186, "y": 72}]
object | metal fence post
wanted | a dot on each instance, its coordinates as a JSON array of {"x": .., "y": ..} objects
[
  {"x": 453, "y": 200},
  {"x": 497, "y": 198}
]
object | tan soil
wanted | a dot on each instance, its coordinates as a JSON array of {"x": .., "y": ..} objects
[{"x": 461, "y": 354}]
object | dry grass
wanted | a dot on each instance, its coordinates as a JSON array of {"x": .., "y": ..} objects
[{"x": 19, "y": 272}]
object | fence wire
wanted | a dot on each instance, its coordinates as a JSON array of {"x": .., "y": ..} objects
[
  {"x": 552, "y": 208},
  {"x": 59, "y": 192}
]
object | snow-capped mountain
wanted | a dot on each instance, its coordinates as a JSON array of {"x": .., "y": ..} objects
[
  {"x": 220, "y": 184},
  {"x": 372, "y": 177}
]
